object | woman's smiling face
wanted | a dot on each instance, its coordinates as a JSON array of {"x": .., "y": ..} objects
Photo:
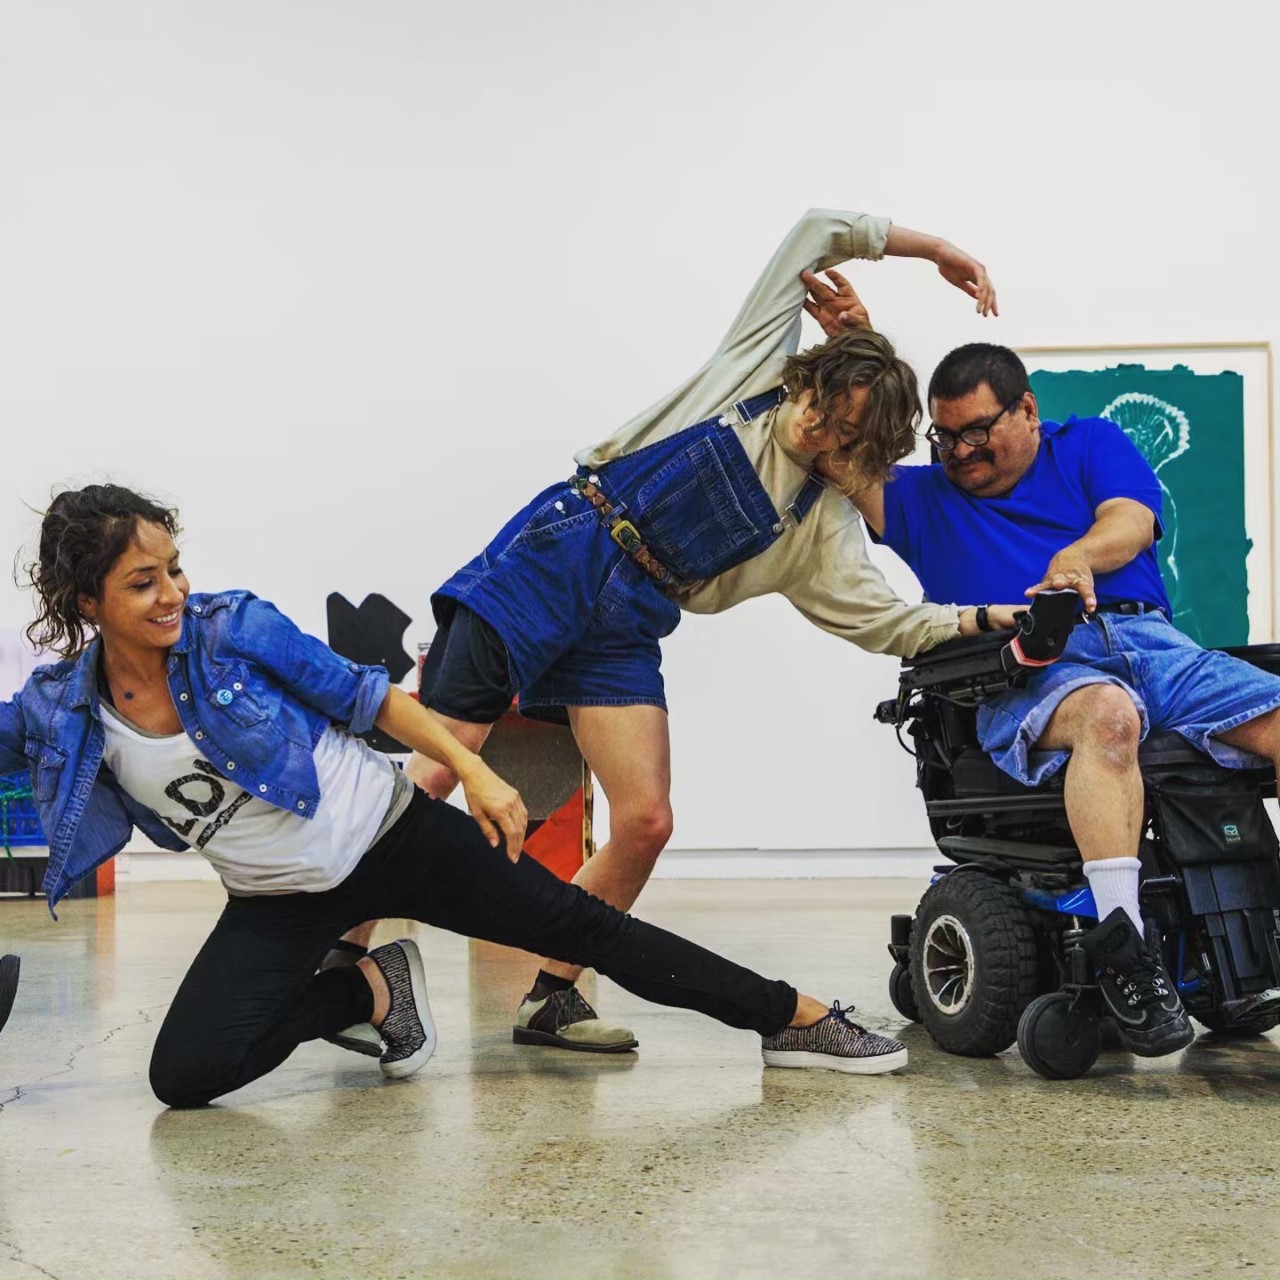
[{"x": 143, "y": 593}]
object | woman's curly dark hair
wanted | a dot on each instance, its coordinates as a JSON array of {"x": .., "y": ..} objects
[{"x": 84, "y": 532}]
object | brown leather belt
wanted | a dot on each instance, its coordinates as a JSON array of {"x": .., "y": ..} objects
[{"x": 624, "y": 533}]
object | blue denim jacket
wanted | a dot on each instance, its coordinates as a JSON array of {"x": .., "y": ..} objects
[{"x": 255, "y": 691}]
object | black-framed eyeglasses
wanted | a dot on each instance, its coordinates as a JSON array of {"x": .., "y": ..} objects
[{"x": 975, "y": 435}]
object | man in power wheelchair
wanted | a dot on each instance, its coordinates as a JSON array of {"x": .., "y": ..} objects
[
  {"x": 1006, "y": 943},
  {"x": 1105, "y": 809},
  {"x": 1121, "y": 784}
]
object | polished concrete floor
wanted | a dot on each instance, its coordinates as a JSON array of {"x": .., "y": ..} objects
[{"x": 685, "y": 1160}]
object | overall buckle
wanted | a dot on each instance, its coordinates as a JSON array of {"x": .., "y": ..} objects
[{"x": 626, "y": 535}]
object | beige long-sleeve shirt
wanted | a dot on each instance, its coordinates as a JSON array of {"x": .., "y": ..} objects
[{"x": 821, "y": 566}]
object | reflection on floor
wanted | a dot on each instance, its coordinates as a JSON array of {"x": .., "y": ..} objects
[{"x": 686, "y": 1159}]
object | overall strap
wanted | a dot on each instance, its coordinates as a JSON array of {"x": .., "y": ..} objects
[
  {"x": 802, "y": 503},
  {"x": 753, "y": 407}
]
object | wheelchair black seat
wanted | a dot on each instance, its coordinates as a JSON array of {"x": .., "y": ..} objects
[{"x": 974, "y": 772}]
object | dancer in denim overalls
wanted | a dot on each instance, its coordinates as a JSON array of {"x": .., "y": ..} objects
[{"x": 725, "y": 490}]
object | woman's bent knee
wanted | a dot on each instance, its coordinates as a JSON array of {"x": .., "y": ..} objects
[{"x": 183, "y": 1083}]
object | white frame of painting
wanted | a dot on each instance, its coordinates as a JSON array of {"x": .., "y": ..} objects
[{"x": 1252, "y": 360}]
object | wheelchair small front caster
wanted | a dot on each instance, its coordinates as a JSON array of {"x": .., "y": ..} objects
[
  {"x": 1059, "y": 1035},
  {"x": 901, "y": 994}
]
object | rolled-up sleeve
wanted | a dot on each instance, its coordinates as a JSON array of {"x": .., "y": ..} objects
[
  {"x": 345, "y": 692},
  {"x": 847, "y": 595}
]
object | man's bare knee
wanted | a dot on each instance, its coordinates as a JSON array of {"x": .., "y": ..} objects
[
  {"x": 1100, "y": 719},
  {"x": 1110, "y": 726},
  {"x": 643, "y": 832}
]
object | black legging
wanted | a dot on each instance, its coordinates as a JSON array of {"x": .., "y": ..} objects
[{"x": 252, "y": 995}]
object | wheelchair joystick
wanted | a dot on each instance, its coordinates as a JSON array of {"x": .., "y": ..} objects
[{"x": 1043, "y": 631}]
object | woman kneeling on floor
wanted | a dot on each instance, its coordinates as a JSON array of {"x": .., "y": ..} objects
[{"x": 211, "y": 722}]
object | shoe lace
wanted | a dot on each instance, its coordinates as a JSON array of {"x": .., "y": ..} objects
[
  {"x": 841, "y": 1014},
  {"x": 1145, "y": 983},
  {"x": 570, "y": 1007}
]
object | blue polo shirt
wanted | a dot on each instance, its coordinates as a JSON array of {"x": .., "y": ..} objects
[{"x": 968, "y": 550}]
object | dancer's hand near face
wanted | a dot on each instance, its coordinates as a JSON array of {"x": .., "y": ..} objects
[{"x": 834, "y": 305}]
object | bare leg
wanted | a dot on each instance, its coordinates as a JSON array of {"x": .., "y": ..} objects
[
  {"x": 1099, "y": 725},
  {"x": 1261, "y": 736},
  {"x": 438, "y": 782},
  {"x": 628, "y": 749}
]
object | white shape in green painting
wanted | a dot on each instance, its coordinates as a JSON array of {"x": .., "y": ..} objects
[{"x": 1161, "y": 432}]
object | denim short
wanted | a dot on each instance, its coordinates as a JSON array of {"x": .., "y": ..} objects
[
  {"x": 1175, "y": 684},
  {"x": 579, "y": 621}
]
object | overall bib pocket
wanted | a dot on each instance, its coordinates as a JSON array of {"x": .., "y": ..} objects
[{"x": 689, "y": 512}]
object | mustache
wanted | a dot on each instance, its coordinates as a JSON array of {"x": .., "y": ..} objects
[{"x": 978, "y": 455}]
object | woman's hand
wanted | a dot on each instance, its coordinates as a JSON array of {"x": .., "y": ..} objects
[
  {"x": 495, "y": 805},
  {"x": 968, "y": 275}
]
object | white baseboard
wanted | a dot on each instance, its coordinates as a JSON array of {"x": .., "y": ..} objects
[
  {"x": 147, "y": 864},
  {"x": 675, "y": 864},
  {"x": 795, "y": 864}
]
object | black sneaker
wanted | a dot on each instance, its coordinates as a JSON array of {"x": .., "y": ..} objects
[
  {"x": 408, "y": 1029},
  {"x": 1140, "y": 998},
  {"x": 834, "y": 1043},
  {"x": 564, "y": 1020},
  {"x": 9, "y": 969}
]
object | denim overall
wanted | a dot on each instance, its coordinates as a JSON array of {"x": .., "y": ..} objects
[{"x": 581, "y": 620}]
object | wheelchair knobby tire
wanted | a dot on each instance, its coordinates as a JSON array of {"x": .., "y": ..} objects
[{"x": 980, "y": 915}]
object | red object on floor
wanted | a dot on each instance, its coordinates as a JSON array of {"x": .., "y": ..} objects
[
  {"x": 106, "y": 878},
  {"x": 557, "y": 843}
]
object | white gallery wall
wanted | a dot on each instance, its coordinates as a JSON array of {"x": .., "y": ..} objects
[{"x": 349, "y": 282}]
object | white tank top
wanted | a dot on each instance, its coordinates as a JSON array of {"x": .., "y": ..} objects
[{"x": 255, "y": 847}]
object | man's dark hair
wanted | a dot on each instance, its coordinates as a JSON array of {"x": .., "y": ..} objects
[
  {"x": 966, "y": 368},
  {"x": 84, "y": 532}
]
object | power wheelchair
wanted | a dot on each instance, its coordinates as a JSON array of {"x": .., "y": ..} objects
[{"x": 993, "y": 954}]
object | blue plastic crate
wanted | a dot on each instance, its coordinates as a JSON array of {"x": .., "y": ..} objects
[{"x": 19, "y": 821}]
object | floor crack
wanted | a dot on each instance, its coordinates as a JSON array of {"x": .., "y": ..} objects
[
  {"x": 69, "y": 1065},
  {"x": 15, "y": 1255}
]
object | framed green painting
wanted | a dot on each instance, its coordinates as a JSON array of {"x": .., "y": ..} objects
[{"x": 1201, "y": 416}]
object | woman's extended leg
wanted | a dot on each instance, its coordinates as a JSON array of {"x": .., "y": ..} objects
[{"x": 437, "y": 867}]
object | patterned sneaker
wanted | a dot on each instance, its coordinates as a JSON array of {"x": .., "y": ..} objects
[
  {"x": 361, "y": 1038},
  {"x": 564, "y": 1020},
  {"x": 1140, "y": 998},
  {"x": 836, "y": 1044},
  {"x": 408, "y": 1029}
]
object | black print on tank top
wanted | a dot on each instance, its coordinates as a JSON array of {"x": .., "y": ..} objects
[{"x": 206, "y": 798}]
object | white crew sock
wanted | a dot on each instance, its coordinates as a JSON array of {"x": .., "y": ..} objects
[{"x": 1114, "y": 882}]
